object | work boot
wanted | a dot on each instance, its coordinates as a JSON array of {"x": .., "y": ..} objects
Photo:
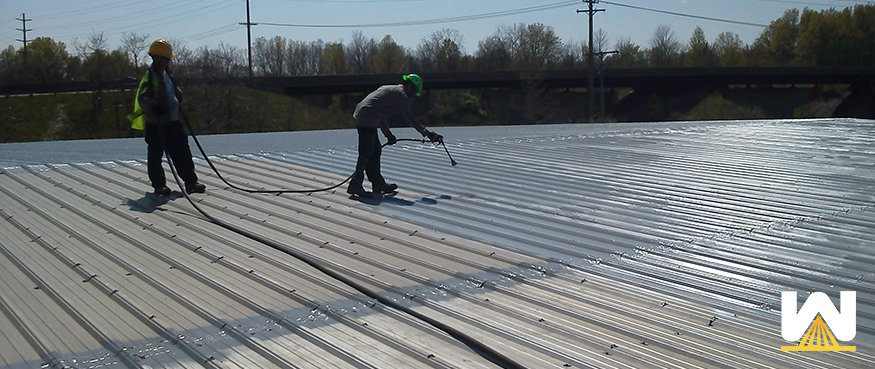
[
  {"x": 355, "y": 188},
  {"x": 162, "y": 191},
  {"x": 385, "y": 187},
  {"x": 195, "y": 187}
]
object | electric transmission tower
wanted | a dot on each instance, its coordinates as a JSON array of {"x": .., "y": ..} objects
[{"x": 24, "y": 31}]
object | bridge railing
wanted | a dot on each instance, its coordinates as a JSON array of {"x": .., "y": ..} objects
[{"x": 612, "y": 78}]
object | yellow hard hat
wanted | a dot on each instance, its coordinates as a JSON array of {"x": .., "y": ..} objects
[{"x": 160, "y": 47}]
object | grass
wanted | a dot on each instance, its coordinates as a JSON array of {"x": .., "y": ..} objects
[
  {"x": 212, "y": 109},
  {"x": 238, "y": 109}
]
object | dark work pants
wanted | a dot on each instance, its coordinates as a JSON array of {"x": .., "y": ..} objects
[
  {"x": 177, "y": 148},
  {"x": 368, "y": 162}
]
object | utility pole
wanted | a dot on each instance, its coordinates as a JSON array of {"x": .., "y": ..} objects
[
  {"x": 249, "y": 25},
  {"x": 24, "y": 30},
  {"x": 590, "y": 64}
]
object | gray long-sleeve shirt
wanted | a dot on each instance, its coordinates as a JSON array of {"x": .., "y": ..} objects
[{"x": 384, "y": 101}]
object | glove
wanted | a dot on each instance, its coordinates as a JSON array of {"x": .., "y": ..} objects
[
  {"x": 434, "y": 137},
  {"x": 391, "y": 139}
]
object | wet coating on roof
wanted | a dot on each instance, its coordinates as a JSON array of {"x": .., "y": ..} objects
[
  {"x": 83, "y": 151},
  {"x": 628, "y": 245}
]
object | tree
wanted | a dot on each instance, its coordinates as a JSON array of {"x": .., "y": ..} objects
[
  {"x": 664, "y": 47},
  {"x": 493, "y": 53},
  {"x": 389, "y": 57},
  {"x": 184, "y": 60},
  {"x": 832, "y": 37},
  {"x": 628, "y": 54},
  {"x": 102, "y": 65},
  {"x": 135, "y": 45},
  {"x": 537, "y": 46},
  {"x": 47, "y": 61},
  {"x": 360, "y": 53},
  {"x": 729, "y": 49},
  {"x": 599, "y": 46},
  {"x": 571, "y": 56},
  {"x": 333, "y": 59},
  {"x": 10, "y": 68},
  {"x": 96, "y": 41},
  {"x": 441, "y": 52},
  {"x": 700, "y": 53},
  {"x": 777, "y": 44},
  {"x": 224, "y": 61},
  {"x": 98, "y": 63},
  {"x": 303, "y": 57},
  {"x": 270, "y": 56}
]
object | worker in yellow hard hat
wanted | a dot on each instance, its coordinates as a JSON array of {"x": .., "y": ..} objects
[
  {"x": 157, "y": 110},
  {"x": 371, "y": 114}
]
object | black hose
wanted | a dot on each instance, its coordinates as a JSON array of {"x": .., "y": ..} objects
[
  {"x": 478, "y": 347},
  {"x": 279, "y": 191}
]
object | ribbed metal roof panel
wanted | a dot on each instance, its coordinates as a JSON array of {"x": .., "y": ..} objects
[{"x": 663, "y": 245}]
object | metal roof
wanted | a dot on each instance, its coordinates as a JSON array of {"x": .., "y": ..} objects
[{"x": 627, "y": 245}]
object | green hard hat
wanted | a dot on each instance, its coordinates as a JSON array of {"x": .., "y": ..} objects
[{"x": 415, "y": 80}]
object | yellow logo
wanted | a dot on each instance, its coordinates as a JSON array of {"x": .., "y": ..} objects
[
  {"x": 818, "y": 337},
  {"x": 818, "y": 310}
]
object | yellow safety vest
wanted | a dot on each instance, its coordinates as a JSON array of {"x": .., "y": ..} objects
[{"x": 137, "y": 118}]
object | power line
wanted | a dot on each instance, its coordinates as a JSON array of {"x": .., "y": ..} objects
[
  {"x": 171, "y": 19},
  {"x": 687, "y": 15},
  {"x": 354, "y": 1},
  {"x": 211, "y": 33},
  {"x": 502, "y": 13},
  {"x": 799, "y": 3},
  {"x": 67, "y": 14},
  {"x": 126, "y": 17}
]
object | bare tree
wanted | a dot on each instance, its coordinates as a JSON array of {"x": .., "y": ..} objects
[
  {"x": 360, "y": 53},
  {"x": 270, "y": 56},
  {"x": 96, "y": 41},
  {"x": 441, "y": 52},
  {"x": 183, "y": 59},
  {"x": 599, "y": 46},
  {"x": 303, "y": 57},
  {"x": 493, "y": 53},
  {"x": 134, "y": 44},
  {"x": 664, "y": 47},
  {"x": 571, "y": 56},
  {"x": 600, "y": 41}
]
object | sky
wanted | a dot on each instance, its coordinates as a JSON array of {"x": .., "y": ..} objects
[{"x": 208, "y": 23}]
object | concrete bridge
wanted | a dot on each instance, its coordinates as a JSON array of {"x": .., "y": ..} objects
[{"x": 635, "y": 78}]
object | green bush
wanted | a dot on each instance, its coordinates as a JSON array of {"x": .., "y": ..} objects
[{"x": 716, "y": 107}]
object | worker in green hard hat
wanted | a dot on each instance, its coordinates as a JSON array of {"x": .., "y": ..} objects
[{"x": 371, "y": 114}]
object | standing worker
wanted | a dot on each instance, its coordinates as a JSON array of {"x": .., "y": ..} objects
[
  {"x": 157, "y": 104},
  {"x": 371, "y": 114}
]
